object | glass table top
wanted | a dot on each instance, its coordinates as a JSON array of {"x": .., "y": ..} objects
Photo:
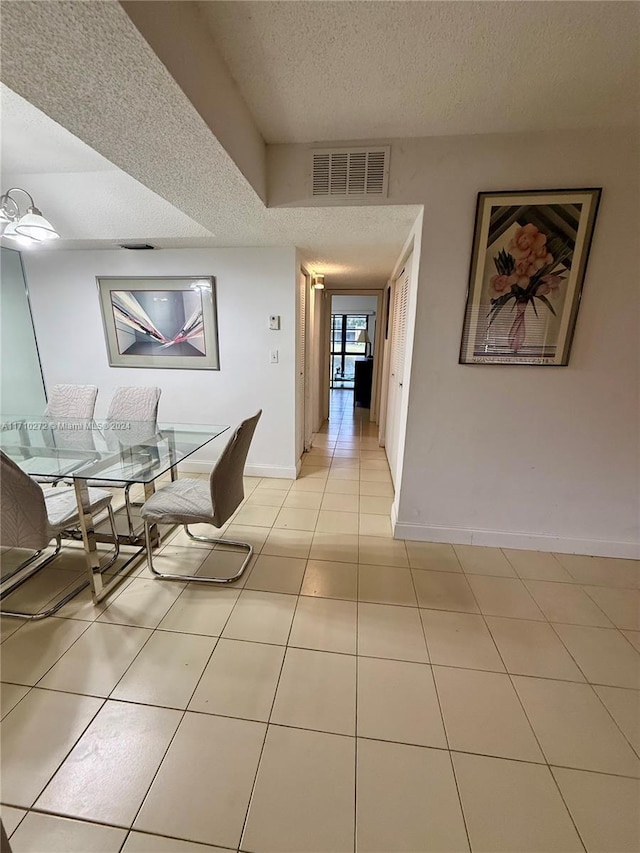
[{"x": 103, "y": 450}]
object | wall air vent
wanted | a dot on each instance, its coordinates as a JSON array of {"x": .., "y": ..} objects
[
  {"x": 139, "y": 247},
  {"x": 349, "y": 172}
]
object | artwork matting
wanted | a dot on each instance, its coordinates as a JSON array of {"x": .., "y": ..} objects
[
  {"x": 168, "y": 322},
  {"x": 528, "y": 262}
]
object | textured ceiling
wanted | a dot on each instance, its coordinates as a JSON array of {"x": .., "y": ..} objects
[
  {"x": 80, "y": 191},
  {"x": 319, "y": 70},
  {"x": 107, "y": 87},
  {"x": 29, "y": 139},
  {"x": 308, "y": 70}
]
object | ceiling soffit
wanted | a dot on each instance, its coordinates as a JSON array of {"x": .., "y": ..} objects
[
  {"x": 108, "y": 88},
  {"x": 175, "y": 30}
]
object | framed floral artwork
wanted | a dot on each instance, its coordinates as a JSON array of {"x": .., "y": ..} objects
[
  {"x": 528, "y": 263},
  {"x": 160, "y": 322}
]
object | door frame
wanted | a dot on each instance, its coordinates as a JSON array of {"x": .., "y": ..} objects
[
  {"x": 308, "y": 361},
  {"x": 385, "y": 367},
  {"x": 377, "y": 344}
]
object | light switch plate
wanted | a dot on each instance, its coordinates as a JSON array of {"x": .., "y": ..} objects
[
  {"x": 273, "y": 356},
  {"x": 274, "y": 322}
]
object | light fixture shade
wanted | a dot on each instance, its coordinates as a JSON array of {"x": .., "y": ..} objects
[
  {"x": 11, "y": 233},
  {"x": 34, "y": 225},
  {"x": 318, "y": 282},
  {"x": 363, "y": 337}
]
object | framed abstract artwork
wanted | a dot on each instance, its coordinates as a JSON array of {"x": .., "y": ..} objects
[
  {"x": 160, "y": 322},
  {"x": 528, "y": 263}
]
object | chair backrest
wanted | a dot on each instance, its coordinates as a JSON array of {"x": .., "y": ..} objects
[
  {"x": 227, "y": 487},
  {"x": 23, "y": 513},
  {"x": 72, "y": 401},
  {"x": 134, "y": 403}
]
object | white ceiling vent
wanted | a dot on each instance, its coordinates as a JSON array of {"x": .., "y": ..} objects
[{"x": 350, "y": 172}]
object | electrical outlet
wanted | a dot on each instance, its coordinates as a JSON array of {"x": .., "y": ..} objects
[{"x": 273, "y": 356}]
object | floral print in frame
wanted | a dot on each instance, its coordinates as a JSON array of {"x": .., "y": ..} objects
[{"x": 530, "y": 251}]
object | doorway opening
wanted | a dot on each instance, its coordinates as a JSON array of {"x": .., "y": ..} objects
[
  {"x": 349, "y": 342},
  {"x": 352, "y": 337}
]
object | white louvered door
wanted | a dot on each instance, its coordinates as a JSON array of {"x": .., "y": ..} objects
[{"x": 397, "y": 367}]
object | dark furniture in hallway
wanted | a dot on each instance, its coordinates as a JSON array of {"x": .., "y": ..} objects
[{"x": 362, "y": 382}]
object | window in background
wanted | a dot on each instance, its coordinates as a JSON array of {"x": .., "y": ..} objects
[{"x": 345, "y": 349}]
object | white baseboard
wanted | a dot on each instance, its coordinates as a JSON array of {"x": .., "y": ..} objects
[
  {"x": 519, "y": 541},
  {"x": 280, "y": 471},
  {"x": 195, "y": 467},
  {"x": 394, "y": 520}
]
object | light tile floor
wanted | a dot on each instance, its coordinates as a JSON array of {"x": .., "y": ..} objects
[{"x": 352, "y": 692}]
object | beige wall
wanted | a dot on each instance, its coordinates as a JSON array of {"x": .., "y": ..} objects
[
  {"x": 251, "y": 285},
  {"x": 537, "y": 457}
]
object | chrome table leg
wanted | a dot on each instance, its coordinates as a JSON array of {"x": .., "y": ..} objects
[{"x": 87, "y": 527}]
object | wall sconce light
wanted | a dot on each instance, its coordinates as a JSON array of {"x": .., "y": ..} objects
[
  {"x": 318, "y": 282},
  {"x": 25, "y": 228}
]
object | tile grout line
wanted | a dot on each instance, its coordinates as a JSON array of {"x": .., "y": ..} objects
[
  {"x": 593, "y": 686},
  {"x": 533, "y": 731},
  {"x": 442, "y": 720},
  {"x": 101, "y": 823},
  {"x": 355, "y": 771},
  {"x": 420, "y": 746},
  {"x": 266, "y": 730},
  {"x": 184, "y": 712}
]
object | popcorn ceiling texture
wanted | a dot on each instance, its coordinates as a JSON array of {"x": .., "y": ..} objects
[
  {"x": 363, "y": 70},
  {"x": 104, "y": 84}
]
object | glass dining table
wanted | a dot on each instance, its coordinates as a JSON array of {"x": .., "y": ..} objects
[{"x": 103, "y": 454}]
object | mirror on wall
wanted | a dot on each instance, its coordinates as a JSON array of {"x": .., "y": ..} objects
[{"x": 21, "y": 384}]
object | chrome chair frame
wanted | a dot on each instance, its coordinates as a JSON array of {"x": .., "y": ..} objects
[
  {"x": 211, "y": 540},
  {"x": 61, "y": 602},
  {"x": 226, "y": 492}
]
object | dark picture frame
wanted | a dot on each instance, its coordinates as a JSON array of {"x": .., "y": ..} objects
[
  {"x": 161, "y": 323},
  {"x": 528, "y": 263}
]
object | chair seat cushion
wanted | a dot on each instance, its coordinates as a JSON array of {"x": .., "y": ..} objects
[
  {"x": 181, "y": 502},
  {"x": 62, "y": 506}
]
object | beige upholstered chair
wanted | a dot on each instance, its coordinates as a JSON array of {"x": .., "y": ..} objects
[
  {"x": 72, "y": 401},
  {"x": 134, "y": 403},
  {"x": 189, "y": 501},
  {"x": 31, "y": 517},
  {"x": 139, "y": 404}
]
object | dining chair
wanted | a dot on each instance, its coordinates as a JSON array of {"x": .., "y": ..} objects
[
  {"x": 72, "y": 401},
  {"x": 31, "y": 517},
  {"x": 139, "y": 404},
  {"x": 189, "y": 501},
  {"x": 134, "y": 403}
]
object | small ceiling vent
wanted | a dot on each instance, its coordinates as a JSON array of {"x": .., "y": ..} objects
[
  {"x": 138, "y": 247},
  {"x": 350, "y": 172}
]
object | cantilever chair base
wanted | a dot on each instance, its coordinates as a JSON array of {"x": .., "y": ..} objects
[
  {"x": 42, "y": 614},
  {"x": 198, "y": 578},
  {"x": 31, "y": 559}
]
